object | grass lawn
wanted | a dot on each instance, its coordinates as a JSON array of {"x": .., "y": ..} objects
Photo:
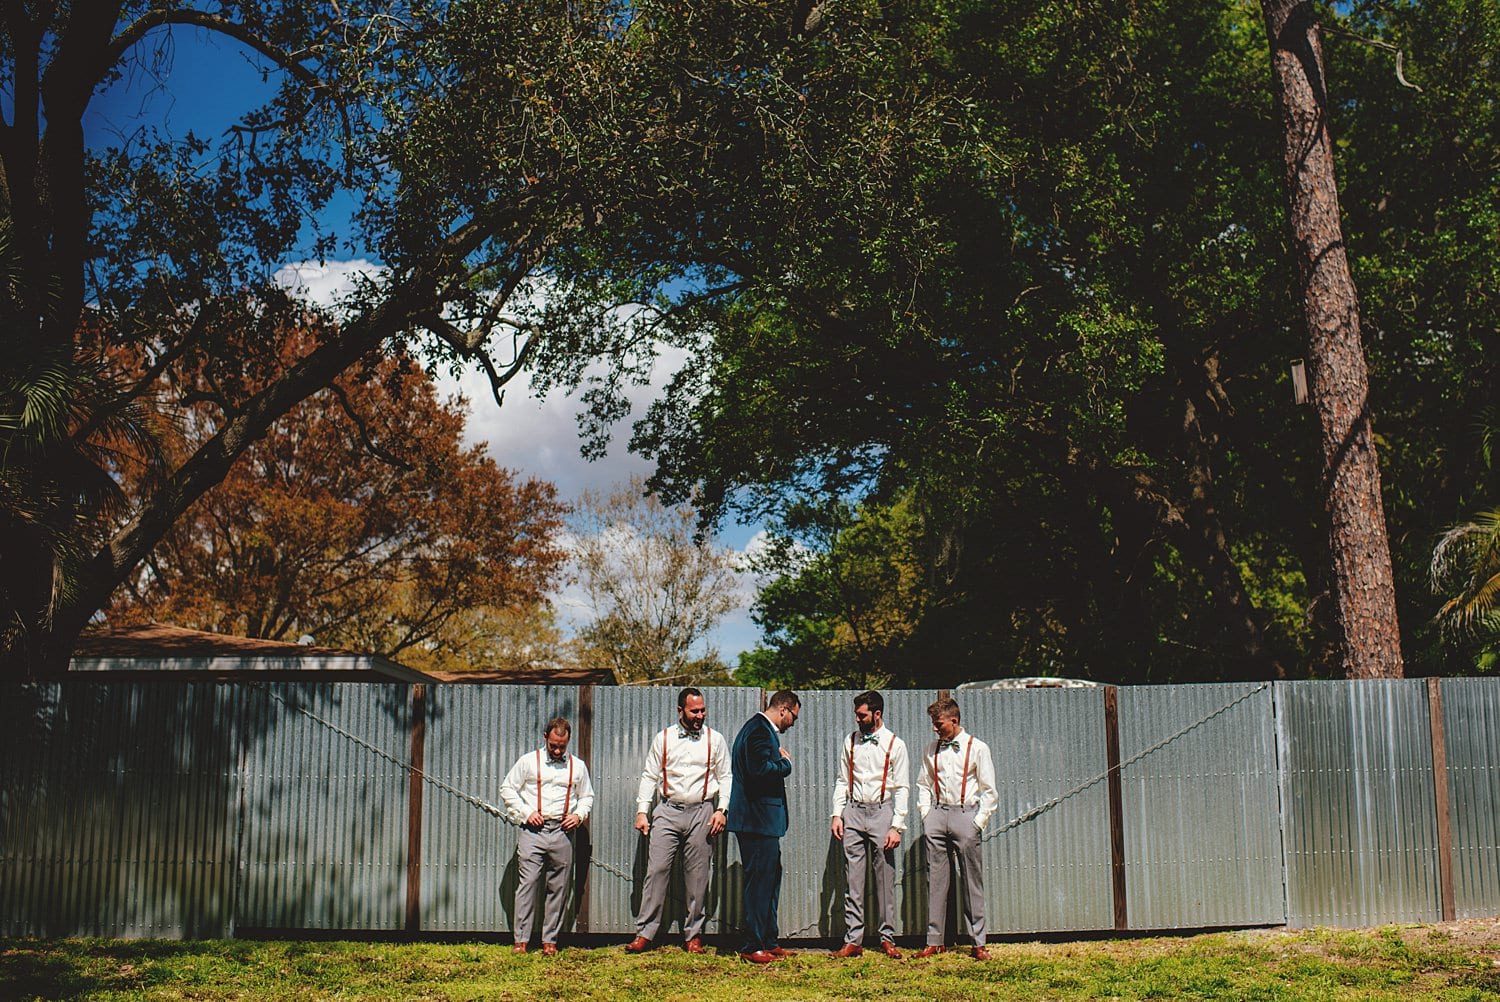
[{"x": 1459, "y": 960}]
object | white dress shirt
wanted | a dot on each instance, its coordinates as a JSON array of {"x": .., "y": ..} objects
[
  {"x": 554, "y": 787},
  {"x": 697, "y": 768},
  {"x": 880, "y": 771},
  {"x": 971, "y": 787}
]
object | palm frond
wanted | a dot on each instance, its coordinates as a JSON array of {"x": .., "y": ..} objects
[{"x": 1466, "y": 567}]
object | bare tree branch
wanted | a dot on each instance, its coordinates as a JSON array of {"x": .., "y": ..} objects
[{"x": 138, "y": 28}]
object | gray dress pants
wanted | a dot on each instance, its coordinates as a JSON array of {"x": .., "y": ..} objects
[
  {"x": 544, "y": 854},
  {"x": 865, "y": 828},
  {"x": 950, "y": 831},
  {"x": 676, "y": 829}
]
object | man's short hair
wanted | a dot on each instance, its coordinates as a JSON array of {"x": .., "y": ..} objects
[
  {"x": 682, "y": 697},
  {"x": 784, "y": 697},
  {"x": 945, "y": 706},
  {"x": 872, "y": 699},
  {"x": 558, "y": 724}
]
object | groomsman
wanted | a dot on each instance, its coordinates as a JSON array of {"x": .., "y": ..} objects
[
  {"x": 758, "y": 818},
  {"x": 547, "y": 792},
  {"x": 869, "y": 816},
  {"x": 956, "y": 796},
  {"x": 687, "y": 767}
]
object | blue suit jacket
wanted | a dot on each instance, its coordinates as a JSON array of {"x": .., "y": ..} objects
[{"x": 758, "y": 803}]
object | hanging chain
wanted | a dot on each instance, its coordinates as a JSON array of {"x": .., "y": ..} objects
[
  {"x": 468, "y": 798},
  {"x": 1035, "y": 812}
]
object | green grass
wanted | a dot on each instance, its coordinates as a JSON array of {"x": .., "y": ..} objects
[{"x": 1458, "y": 961}]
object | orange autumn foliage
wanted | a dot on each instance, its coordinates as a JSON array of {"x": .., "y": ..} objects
[{"x": 359, "y": 519}]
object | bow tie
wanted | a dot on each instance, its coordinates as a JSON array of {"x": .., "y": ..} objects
[
  {"x": 948, "y": 744},
  {"x": 690, "y": 735},
  {"x": 870, "y": 739},
  {"x": 556, "y": 760}
]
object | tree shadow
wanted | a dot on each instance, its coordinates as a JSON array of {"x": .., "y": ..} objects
[{"x": 171, "y": 809}]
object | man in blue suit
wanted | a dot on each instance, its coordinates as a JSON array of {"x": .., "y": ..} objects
[{"x": 757, "y": 816}]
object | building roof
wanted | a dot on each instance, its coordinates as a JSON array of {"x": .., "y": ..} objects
[
  {"x": 536, "y": 675},
  {"x": 149, "y": 650}
]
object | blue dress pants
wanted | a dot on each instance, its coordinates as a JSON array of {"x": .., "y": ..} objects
[{"x": 761, "y": 857}]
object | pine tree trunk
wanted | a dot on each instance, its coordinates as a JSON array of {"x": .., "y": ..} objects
[{"x": 1363, "y": 585}]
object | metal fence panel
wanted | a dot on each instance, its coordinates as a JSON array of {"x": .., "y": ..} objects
[
  {"x": 1357, "y": 795},
  {"x": 474, "y": 734},
  {"x": 625, "y": 720},
  {"x": 813, "y": 879},
  {"x": 172, "y": 809},
  {"x": 116, "y": 810},
  {"x": 1471, "y": 720},
  {"x": 325, "y": 817},
  {"x": 1051, "y": 873},
  {"x": 1201, "y": 818}
]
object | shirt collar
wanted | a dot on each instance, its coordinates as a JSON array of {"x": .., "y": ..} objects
[{"x": 765, "y": 714}]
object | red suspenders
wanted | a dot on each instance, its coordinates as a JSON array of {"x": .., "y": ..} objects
[
  {"x": 937, "y": 791},
  {"x": 884, "y": 775},
  {"x": 708, "y": 737},
  {"x": 567, "y": 795}
]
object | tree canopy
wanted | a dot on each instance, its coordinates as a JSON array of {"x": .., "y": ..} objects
[
  {"x": 1055, "y": 323},
  {"x": 359, "y": 519},
  {"x": 1008, "y": 287},
  {"x": 479, "y": 140}
]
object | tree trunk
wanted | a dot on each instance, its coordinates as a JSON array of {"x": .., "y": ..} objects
[{"x": 1363, "y": 586}]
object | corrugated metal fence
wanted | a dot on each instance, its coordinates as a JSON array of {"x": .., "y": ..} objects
[{"x": 200, "y": 810}]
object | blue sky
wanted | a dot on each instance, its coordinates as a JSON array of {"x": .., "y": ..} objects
[{"x": 189, "y": 79}]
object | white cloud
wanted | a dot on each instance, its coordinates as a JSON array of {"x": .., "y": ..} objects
[
  {"x": 327, "y": 283},
  {"x": 540, "y": 436}
]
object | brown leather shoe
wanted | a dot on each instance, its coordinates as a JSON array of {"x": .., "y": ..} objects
[
  {"x": 889, "y": 949},
  {"x": 518, "y": 948},
  {"x": 638, "y": 945},
  {"x": 758, "y": 957},
  {"x": 848, "y": 950},
  {"x": 694, "y": 945},
  {"x": 930, "y": 951},
  {"x": 549, "y": 949},
  {"x": 980, "y": 953},
  {"x": 779, "y": 953}
]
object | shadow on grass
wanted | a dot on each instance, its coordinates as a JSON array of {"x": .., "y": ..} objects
[{"x": 50, "y": 969}]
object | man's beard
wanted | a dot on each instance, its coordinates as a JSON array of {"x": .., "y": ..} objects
[
  {"x": 866, "y": 728},
  {"x": 691, "y": 726}
]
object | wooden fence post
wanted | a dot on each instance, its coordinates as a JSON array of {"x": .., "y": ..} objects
[
  {"x": 1440, "y": 796},
  {"x": 1116, "y": 805},
  {"x": 585, "y": 844},
  {"x": 414, "y": 809}
]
